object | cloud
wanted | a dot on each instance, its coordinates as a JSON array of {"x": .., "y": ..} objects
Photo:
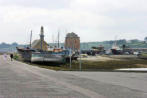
[
  {"x": 92, "y": 20},
  {"x": 51, "y": 4}
]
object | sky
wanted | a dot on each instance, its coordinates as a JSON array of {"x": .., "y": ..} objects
[{"x": 92, "y": 20}]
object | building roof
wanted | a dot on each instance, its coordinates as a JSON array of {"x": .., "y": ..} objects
[
  {"x": 72, "y": 34},
  {"x": 35, "y": 42}
]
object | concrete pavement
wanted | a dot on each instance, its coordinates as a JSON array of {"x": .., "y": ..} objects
[{"x": 19, "y": 80}]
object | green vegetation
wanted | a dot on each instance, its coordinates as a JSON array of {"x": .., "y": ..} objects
[{"x": 16, "y": 56}]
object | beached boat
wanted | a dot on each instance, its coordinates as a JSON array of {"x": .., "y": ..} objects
[
  {"x": 31, "y": 55},
  {"x": 116, "y": 50},
  {"x": 50, "y": 56},
  {"x": 38, "y": 51}
]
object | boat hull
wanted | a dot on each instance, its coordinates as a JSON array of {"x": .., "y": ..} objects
[
  {"x": 116, "y": 52},
  {"x": 54, "y": 58},
  {"x": 30, "y": 55}
]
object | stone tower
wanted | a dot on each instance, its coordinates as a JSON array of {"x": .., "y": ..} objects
[
  {"x": 40, "y": 44},
  {"x": 41, "y": 37},
  {"x": 72, "y": 41},
  {"x": 42, "y": 33}
]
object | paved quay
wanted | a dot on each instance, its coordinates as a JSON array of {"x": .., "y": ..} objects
[{"x": 19, "y": 80}]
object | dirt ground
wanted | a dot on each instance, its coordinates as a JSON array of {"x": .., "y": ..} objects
[{"x": 108, "y": 57}]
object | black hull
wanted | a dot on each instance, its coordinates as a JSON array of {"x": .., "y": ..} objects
[{"x": 116, "y": 52}]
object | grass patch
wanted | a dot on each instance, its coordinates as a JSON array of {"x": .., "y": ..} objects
[{"x": 96, "y": 65}]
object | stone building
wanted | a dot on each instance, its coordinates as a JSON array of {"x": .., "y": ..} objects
[
  {"x": 72, "y": 41},
  {"x": 40, "y": 44}
]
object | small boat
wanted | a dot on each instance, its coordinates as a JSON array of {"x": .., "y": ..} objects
[{"x": 116, "y": 49}]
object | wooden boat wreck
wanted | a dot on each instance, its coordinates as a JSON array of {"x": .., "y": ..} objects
[
  {"x": 31, "y": 55},
  {"x": 54, "y": 56},
  {"x": 49, "y": 56},
  {"x": 39, "y": 52}
]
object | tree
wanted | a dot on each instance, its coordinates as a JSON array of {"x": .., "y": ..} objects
[
  {"x": 14, "y": 44},
  {"x": 4, "y": 45}
]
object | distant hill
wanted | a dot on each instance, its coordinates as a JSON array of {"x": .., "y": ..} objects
[
  {"x": 108, "y": 44},
  {"x": 4, "y": 47}
]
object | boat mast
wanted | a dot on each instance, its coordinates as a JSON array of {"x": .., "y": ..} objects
[
  {"x": 53, "y": 40},
  {"x": 115, "y": 43},
  {"x": 58, "y": 39},
  {"x": 31, "y": 40}
]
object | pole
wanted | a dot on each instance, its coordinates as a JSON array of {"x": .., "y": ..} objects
[
  {"x": 70, "y": 59},
  {"x": 58, "y": 40},
  {"x": 53, "y": 40},
  {"x": 31, "y": 39},
  {"x": 80, "y": 65}
]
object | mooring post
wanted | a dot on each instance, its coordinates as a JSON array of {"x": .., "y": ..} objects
[
  {"x": 80, "y": 65},
  {"x": 70, "y": 58}
]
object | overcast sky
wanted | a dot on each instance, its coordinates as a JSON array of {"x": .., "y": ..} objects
[{"x": 92, "y": 20}]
